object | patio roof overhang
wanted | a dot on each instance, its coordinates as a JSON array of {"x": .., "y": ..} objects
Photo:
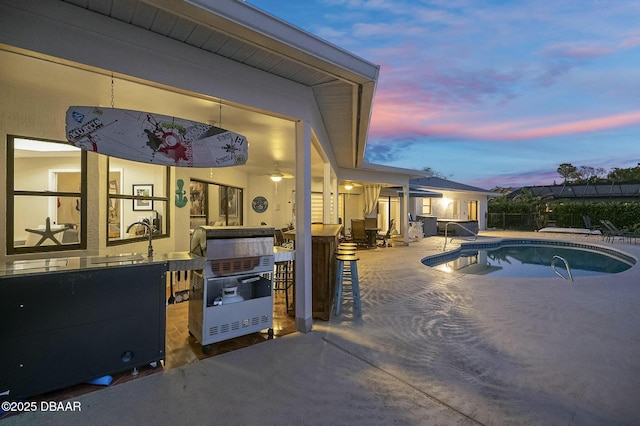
[
  {"x": 228, "y": 35},
  {"x": 397, "y": 191},
  {"x": 379, "y": 174}
]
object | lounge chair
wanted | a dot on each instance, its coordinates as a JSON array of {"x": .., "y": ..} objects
[
  {"x": 587, "y": 222},
  {"x": 610, "y": 232},
  {"x": 607, "y": 232}
]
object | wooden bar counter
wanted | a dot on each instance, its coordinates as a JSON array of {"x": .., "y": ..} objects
[{"x": 324, "y": 240}]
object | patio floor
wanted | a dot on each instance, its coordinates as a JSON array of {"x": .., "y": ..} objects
[
  {"x": 430, "y": 348},
  {"x": 502, "y": 350}
]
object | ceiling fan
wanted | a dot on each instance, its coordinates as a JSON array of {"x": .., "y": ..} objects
[
  {"x": 277, "y": 175},
  {"x": 349, "y": 185}
]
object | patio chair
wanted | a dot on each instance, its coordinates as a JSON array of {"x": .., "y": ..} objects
[
  {"x": 610, "y": 231},
  {"x": 607, "y": 232},
  {"x": 279, "y": 237},
  {"x": 358, "y": 233},
  {"x": 386, "y": 236},
  {"x": 624, "y": 233},
  {"x": 587, "y": 222}
]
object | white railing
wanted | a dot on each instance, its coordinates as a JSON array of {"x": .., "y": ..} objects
[
  {"x": 446, "y": 233},
  {"x": 566, "y": 265}
]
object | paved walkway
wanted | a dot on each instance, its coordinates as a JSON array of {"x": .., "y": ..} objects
[{"x": 430, "y": 348}]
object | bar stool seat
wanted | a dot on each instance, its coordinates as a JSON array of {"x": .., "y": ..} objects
[
  {"x": 352, "y": 245},
  {"x": 347, "y": 285},
  {"x": 341, "y": 251}
]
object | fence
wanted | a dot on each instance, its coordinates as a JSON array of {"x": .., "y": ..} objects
[
  {"x": 532, "y": 221},
  {"x": 515, "y": 221}
]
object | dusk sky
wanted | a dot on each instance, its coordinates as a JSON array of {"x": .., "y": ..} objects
[{"x": 491, "y": 93}]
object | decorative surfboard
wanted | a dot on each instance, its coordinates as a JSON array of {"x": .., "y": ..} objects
[{"x": 153, "y": 138}]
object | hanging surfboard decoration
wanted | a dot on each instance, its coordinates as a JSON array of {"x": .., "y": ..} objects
[{"x": 153, "y": 138}]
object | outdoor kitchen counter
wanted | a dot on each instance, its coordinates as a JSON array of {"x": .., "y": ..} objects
[
  {"x": 69, "y": 320},
  {"x": 175, "y": 261},
  {"x": 324, "y": 240}
]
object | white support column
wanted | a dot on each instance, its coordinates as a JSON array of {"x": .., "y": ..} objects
[
  {"x": 335, "y": 198},
  {"x": 404, "y": 211},
  {"x": 304, "y": 320},
  {"x": 327, "y": 194}
]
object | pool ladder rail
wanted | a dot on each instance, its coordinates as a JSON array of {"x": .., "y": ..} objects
[
  {"x": 446, "y": 232},
  {"x": 566, "y": 265}
]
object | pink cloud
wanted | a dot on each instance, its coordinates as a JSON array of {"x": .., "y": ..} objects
[
  {"x": 630, "y": 42},
  {"x": 580, "y": 126},
  {"x": 517, "y": 180},
  {"x": 573, "y": 51},
  {"x": 393, "y": 116}
]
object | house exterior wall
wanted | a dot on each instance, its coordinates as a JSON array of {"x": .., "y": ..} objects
[
  {"x": 62, "y": 32},
  {"x": 443, "y": 208},
  {"x": 30, "y": 109}
]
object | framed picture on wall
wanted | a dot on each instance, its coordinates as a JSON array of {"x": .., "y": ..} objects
[{"x": 145, "y": 190}]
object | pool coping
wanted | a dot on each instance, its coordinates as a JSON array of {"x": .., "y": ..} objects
[{"x": 440, "y": 258}]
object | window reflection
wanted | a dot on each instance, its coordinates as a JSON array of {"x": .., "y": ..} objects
[
  {"x": 45, "y": 186},
  {"x": 215, "y": 205},
  {"x": 136, "y": 192}
]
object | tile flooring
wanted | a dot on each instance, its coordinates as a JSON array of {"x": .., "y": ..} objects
[{"x": 182, "y": 348}]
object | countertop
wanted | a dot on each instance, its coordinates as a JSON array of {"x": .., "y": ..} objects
[
  {"x": 318, "y": 230},
  {"x": 176, "y": 261}
]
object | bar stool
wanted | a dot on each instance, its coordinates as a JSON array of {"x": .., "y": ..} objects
[
  {"x": 353, "y": 246},
  {"x": 347, "y": 285},
  {"x": 283, "y": 279},
  {"x": 346, "y": 248},
  {"x": 340, "y": 251}
]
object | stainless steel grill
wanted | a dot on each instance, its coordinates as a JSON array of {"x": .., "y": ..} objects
[{"x": 232, "y": 296}]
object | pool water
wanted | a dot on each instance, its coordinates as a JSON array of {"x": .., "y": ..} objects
[{"x": 524, "y": 260}]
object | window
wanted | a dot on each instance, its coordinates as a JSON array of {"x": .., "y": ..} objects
[
  {"x": 317, "y": 207},
  {"x": 472, "y": 208},
  {"x": 46, "y": 186},
  {"x": 426, "y": 206},
  {"x": 388, "y": 209},
  {"x": 136, "y": 192},
  {"x": 215, "y": 205},
  {"x": 198, "y": 203},
  {"x": 341, "y": 208},
  {"x": 230, "y": 202}
]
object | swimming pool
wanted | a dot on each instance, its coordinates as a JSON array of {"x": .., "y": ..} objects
[{"x": 530, "y": 258}]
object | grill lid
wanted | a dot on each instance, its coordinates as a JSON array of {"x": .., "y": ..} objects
[
  {"x": 248, "y": 241},
  {"x": 221, "y": 232}
]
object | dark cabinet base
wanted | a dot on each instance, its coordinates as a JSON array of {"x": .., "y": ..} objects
[
  {"x": 62, "y": 328},
  {"x": 324, "y": 241},
  {"x": 323, "y": 271}
]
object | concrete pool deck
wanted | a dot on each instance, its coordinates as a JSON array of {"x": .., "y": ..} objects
[{"x": 430, "y": 348}]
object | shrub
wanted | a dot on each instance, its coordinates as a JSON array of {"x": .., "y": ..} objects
[{"x": 622, "y": 214}]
